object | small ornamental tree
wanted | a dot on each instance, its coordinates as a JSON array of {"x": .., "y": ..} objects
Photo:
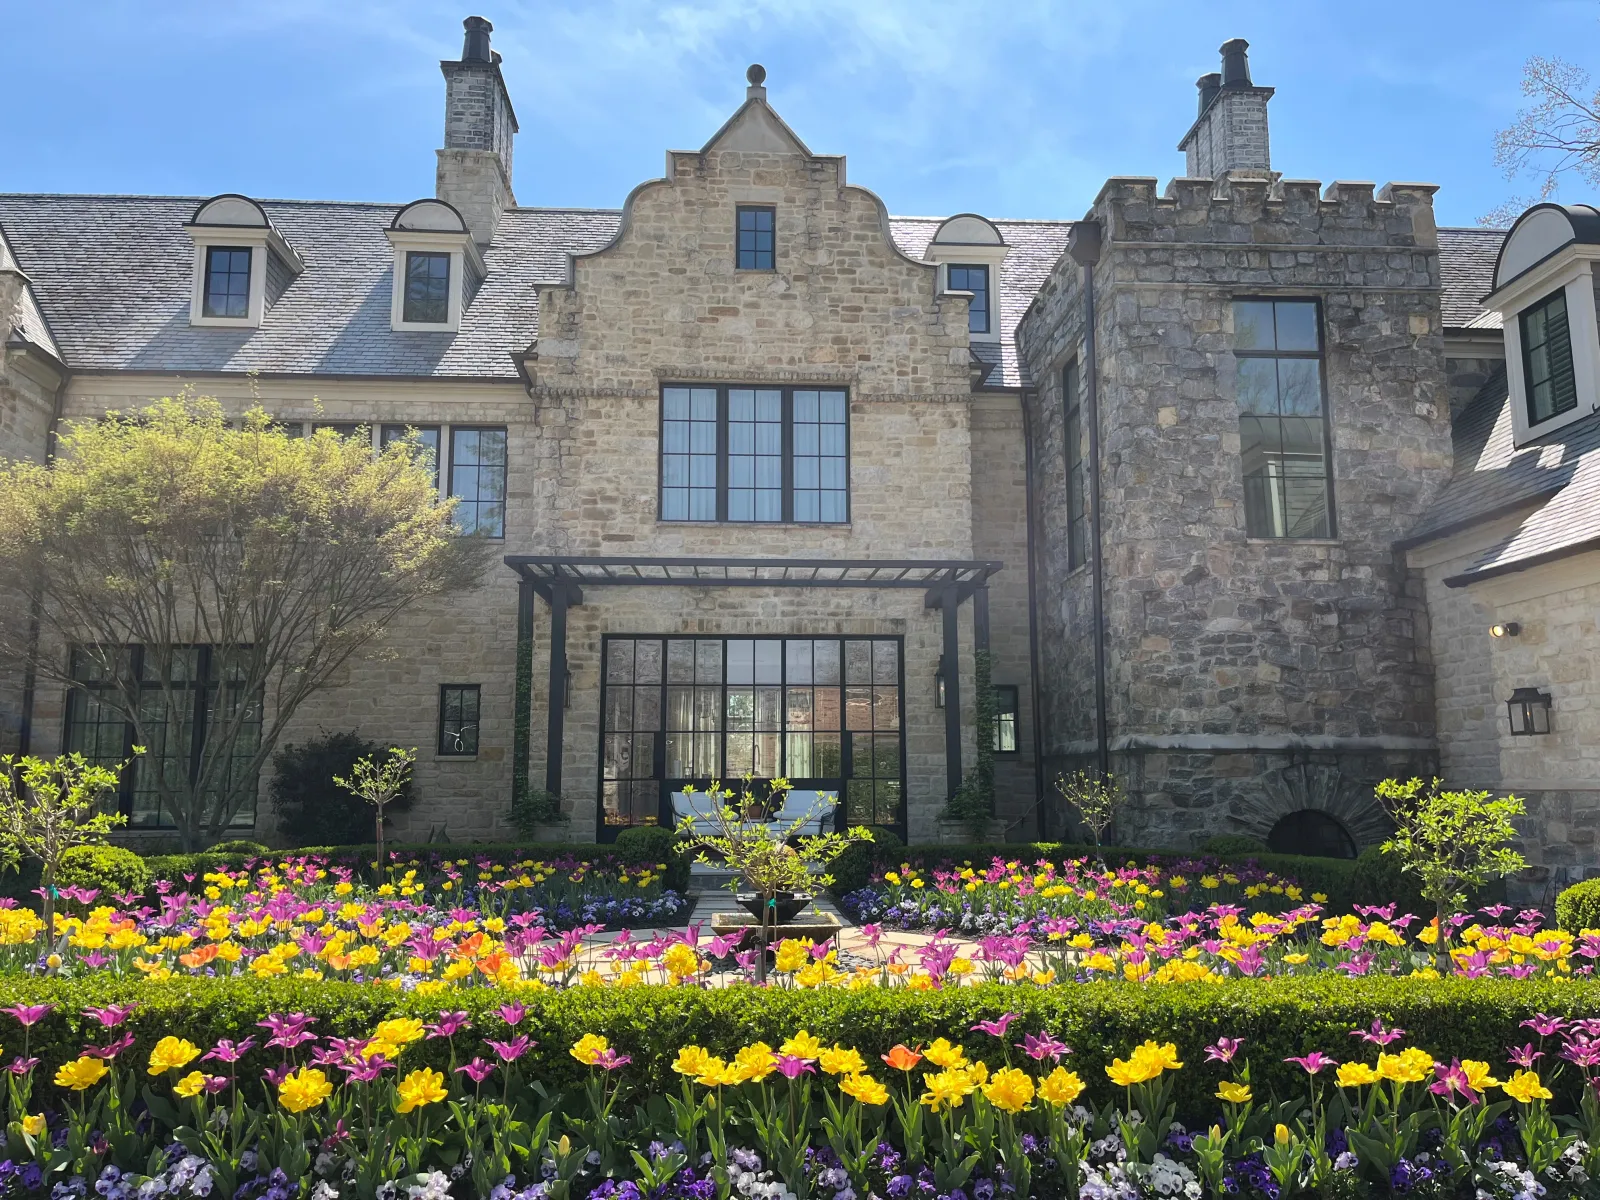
[
  {"x": 1453, "y": 842},
  {"x": 1097, "y": 799},
  {"x": 160, "y": 540},
  {"x": 51, "y": 806},
  {"x": 378, "y": 784}
]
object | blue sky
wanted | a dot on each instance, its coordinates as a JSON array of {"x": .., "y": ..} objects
[{"x": 1018, "y": 108}]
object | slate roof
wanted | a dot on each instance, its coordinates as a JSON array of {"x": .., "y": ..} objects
[
  {"x": 1554, "y": 482},
  {"x": 1466, "y": 267}
]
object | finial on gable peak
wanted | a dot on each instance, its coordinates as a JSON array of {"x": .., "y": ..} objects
[{"x": 756, "y": 75}]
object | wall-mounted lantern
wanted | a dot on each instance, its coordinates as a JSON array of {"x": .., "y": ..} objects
[
  {"x": 1505, "y": 629},
  {"x": 1530, "y": 712},
  {"x": 938, "y": 684}
]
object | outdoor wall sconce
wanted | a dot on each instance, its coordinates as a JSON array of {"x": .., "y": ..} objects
[
  {"x": 1507, "y": 629},
  {"x": 938, "y": 683},
  {"x": 566, "y": 688},
  {"x": 1530, "y": 712}
]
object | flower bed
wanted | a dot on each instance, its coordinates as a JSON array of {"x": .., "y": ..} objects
[{"x": 328, "y": 1090}]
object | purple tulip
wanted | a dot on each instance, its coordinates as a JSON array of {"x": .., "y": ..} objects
[
  {"x": 215, "y": 1084},
  {"x": 1314, "y": 1062},
  {"x": 1042, "y": 1047},
  {"x": 21, "y": 1066},
  {"x": 1524, "y": 1057},
  {"x": 793, "y": 1067},
  {"x": 111, "y": 1015},
  {"x": 29, "y": 1014},
  {"x": 108, "y": 1052},
  {"x": 365, "y": 1070},
  {"x": 449, "y": 1024},
  {"x": 1544, "y": 1026},
  {"x": 998, "y": 1027},
  {"x": 1223, "y": 1050},
  {"x": 1377, "y": 1034},
  {"x": 228, "y": 1051},
  {"x": 610, "y": 1060},
  {"x": 512, "y": 1050},
  {"x": 477, "y": 1070},
  {"x": 512, "y": 1013}
]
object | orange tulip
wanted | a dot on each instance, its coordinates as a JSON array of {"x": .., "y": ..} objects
[
  {"x": 901, "y": 1059},
  {"x": 200, "y": 957}
]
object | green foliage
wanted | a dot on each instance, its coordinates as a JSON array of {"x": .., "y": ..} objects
[
  {"x": 534, "y": 807},
  {"x": 742, "y": 837},
  {"x": 853, "y": 868},
  {"x": 1578, "y": 907},
  {"x": 111, "y": 869},
  {"x": 648, "y": 845},
  {"x": 1378, "y": 878},
  {"x": 1096, "y": 799},
  {"x": 972, "y": 805},
  {"x": 1236, "y": 845},
  {"x": 240, "y": 846},
  {"x": 379, "y": 784},
  {"x": 1278, "y": 1018},
  {"x": 311, "y": 807},
  {"x": 48, "y": 807}
]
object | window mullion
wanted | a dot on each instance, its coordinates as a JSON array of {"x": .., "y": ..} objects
[
  {"x": 722, "y": 454},
  {"x": 786, "y": 435}
]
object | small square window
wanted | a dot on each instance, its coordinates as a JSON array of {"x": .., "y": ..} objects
[
  {"x": 458, "y": 720},
  {"x": 756, "y": 224},
  {"x": 1005, "y": 719},
  {"x": 427, "y": 288},
  {"x": 227, "y": 282},
  {"x": 976, "y": 281}
]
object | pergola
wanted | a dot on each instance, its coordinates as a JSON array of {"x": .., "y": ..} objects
[{"x": 561, "y": 580}]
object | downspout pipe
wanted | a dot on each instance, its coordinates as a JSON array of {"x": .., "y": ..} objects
[
  {"x": 1028, "y": 399},
  {"x": 30, "y": 675},
  {"x": 1083, "y": 244}
]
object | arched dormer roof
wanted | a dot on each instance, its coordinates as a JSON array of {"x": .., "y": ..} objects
[
  {"x": 968, "y": 229},
  {"x": 430, "y": 216},
  {"x": 1541, "y": 232},
  {"x": 233, "y": 210}
]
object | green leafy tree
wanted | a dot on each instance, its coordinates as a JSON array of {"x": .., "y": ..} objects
[
  {"x": 1452, "y": 841},
  {"x": 378, "y": 783},
  {"x": 1097, "y": 799},
  {"x": 169, "y": 528},
  {"x": 49, "y": 806}
]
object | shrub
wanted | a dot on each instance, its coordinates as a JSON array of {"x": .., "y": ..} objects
[
  {"x": 111, "y": 869},
  {"x": 1578, "y": 907},
  {"x": 853, "y": 869},
  {"x": 310, "y": 806},
  {"x": 240, "y": 846},
  {"x": 1233, "y": 845},
  {"x": 647, "y": 845},
  {"x": 1451, "y": 1018},
  {"x": 534, "y": 808}
]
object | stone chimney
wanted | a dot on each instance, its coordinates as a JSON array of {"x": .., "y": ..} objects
[
  {"x": 479, "y": 124},
  {"x": 1230, "y": 135}
]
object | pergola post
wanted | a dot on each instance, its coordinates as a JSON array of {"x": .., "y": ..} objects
[
  {"x": 950, "y": 605},
  {"x": 556, "y": 699}
]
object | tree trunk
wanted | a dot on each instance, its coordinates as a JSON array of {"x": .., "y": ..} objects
[
  {"x": 1441, "y": 942},
  {"x": 380, "y": 846},
  {"x": 49, "y": 888}
]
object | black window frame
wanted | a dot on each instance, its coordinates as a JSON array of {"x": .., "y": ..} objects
[
  {"x": 982, "y": 297},
  {"x": 762, "y": 252},
  {"x": 1319, "y": 356},
  {"x": 787, "y": 453},
  {"x": 462, "y": 691},
  {"x": 392, "y": 431},
  {"x": 1076, "y": 468},
  {"x": 431, "y": 281},
  {"x": 207, "y": 307},
  {"x": 1007, "y": 699},
  {"x": 1555, "y": 376},
  {"x": 202, "y": 687},
  {"x": 475, "y": 504}
]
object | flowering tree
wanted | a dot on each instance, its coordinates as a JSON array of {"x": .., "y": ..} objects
[
  {"x": 1097, "y": 799},
  {"x": 1452, "y": 842},
  {"x": 1557, "y": 134},
  {"x": 156, "y": 533},
  {"x": 378, "y": 784},
  {"x": 49, "y": 806}
]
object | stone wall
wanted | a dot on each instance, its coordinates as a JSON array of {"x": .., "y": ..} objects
[{"x": 1219, "y": 642}]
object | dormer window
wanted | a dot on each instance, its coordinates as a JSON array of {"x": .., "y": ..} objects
[
  {"x": 427, "y": 287},
  {"x": 1544, "y": 291},
  {"x": 971, "y": 255},
  {"x": 757, "y": 225},
  {"x": 437, "y": 268},
  {"x": 974, "y": 279},
  {"x": 1547, "y": 359},
  {"x": 227, "y": 281},
  {"x": 242, "y": 264}
]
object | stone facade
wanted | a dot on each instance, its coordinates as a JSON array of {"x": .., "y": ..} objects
[{"x": 1230, "y": 658}]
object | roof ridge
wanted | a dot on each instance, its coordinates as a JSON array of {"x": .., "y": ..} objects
[
  {"x": 996, "y": 220},
  {"x": 198, "y": 199}
]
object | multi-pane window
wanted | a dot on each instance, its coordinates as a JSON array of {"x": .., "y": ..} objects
[
  {"x": 755, "y": 454},
  {"x": 427, "y": 435},
  {"x": 181, "y": 695},
  {"x": 755, "y": 233},
  {"x": 478, "y": 479},
  {"x": 343, "y": 428},
  {"x": 1072, "y": 431},
  {"x": 823, "y": 713},
  {"x": 974, "y": 280},
  {"x": 458, "y": 719},
  {"x": 227, "y": 282},
  {"x": 427, "y": 296},
  {"x": 1547, "y": 359},
  {"x": 1005, "y": 719},
  {"x": 1283, "y": 424}
]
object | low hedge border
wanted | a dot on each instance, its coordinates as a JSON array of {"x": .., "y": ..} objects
[{"x": 1450, "y": 1018}]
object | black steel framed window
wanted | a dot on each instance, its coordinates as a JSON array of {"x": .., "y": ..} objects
[
  {"x": 757, "y": 225},
  {"x": 427, "y": 298},
  {"x": 1005, "y": 718},
  {"x": 1547, "y": 359},
  {"x": 755, "y": 454},
  {"x": 478, "y": 479},
  {"x": 458, "y": 719},
  {"x": 824, "y": 713},
  {"x": 428, "y": 435},
  {"x": 203, "y": 687},
  {"x": 974, "y": 279},
  {"x": 1285, "y": 439},
  {"x": 1072, "y": 434},
  {"x": 343, "y": 428},
  {"x": 227, "y": 282}
]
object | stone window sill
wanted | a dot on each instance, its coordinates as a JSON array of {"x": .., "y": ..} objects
[
  {"x": 1255, "y": 541},
  {"x": 455, "y": 758},
  {"x": 756, "y": 524}
]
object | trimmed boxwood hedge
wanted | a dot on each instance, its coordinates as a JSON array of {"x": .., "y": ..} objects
[
  {"x": 1277, "y": 1018},
  {"x": 1578, "y": 907}
]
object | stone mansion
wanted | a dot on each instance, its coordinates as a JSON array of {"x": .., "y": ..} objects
[{"x": 1225, "y": 487}]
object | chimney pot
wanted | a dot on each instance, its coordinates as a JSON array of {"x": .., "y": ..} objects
[
  {"x": 1236, "y": 63},
  {"x": 1209, "y": 86},
  {"x": 475, "y": 47}
]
